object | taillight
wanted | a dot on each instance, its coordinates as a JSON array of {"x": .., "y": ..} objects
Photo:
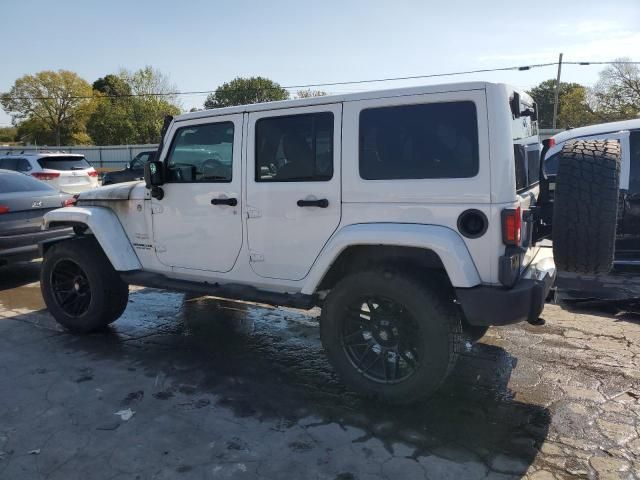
[
  {"x": 552, "y": 142},
  {"x": 93, "y": 173},
  {"x": 69, "y": 202},
  {"x": 45, "y": 175},
  {"x": 4, "y": 209},
  {"x": 511, "y": 226}
]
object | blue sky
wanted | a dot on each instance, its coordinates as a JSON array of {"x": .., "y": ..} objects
[{"x": 201, "y": 44}]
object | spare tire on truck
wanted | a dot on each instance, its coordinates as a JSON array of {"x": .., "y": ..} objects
[{"x": 585, "y": 206}]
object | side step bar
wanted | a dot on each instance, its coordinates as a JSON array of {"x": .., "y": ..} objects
[{"x": 231, "y": 291}]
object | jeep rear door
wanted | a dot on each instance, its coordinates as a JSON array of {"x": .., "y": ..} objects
[
  {"x": 293, "y": 187},
  {"x": 197, "y": 225}
]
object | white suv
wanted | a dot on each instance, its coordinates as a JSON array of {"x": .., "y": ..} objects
[
  {"x": 67, "y": 172},
  {"x": 405, "y": 214}
]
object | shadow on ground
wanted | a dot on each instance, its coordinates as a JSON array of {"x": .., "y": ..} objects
[
  {"x": 18, "y": 274},
  {"x": 268, "y": 364}
]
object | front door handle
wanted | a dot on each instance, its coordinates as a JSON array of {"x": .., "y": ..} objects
[
  {"x": 322, "y": 203},
  {"x": 232, "y": 202}
]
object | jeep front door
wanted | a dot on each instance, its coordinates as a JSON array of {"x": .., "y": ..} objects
[
  {"x": 198, "y": 223},
  {"x": 293, "y": 187}
]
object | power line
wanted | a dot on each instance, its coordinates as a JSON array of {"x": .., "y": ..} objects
[{"x": 330, "y": 84}]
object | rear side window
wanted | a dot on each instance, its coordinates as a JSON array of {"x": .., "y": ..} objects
[
  {"x": 527, "y": 163},
  {"x": 438, "y": 140},
  {"x": 11, "y": 183},
  {"x": 17, "y": 164},
  {"x": 295, "y": 148},
  {"x": 634, "y": 160},
  {"x": 9, "y": 163},
  {"x": 64, "y": 163}
]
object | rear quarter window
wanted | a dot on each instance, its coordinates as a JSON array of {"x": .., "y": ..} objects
[
  {"x": 64, "y": 163},
  {"x": 437, "y": 140}
]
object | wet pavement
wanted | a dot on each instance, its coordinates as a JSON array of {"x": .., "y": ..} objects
[{"x": 218, "y": 389}]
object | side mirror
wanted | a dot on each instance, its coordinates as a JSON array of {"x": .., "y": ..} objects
[{"x": 153, "y": 174}]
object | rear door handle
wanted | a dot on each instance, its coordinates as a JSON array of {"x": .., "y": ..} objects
[
  {"x": 232, "y": 202},
  {"x": 322, "y": 203}
]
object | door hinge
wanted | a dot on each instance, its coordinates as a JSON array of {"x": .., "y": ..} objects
[
  {"x": 160, "y": 248},
  {"x": 256, "y": 257},
  {"x": 253, "y": 213}
]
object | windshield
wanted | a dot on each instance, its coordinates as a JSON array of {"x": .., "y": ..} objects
[{"x": 64, "y": 163}]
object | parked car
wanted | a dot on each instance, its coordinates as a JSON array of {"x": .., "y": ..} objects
[
  {"x": 618, "y": 284},
  {"x": 404, "y": 214},
  {"x": 67, "y": 172},
  {"x": 133, "y": 171},
  {"x": 23, "y": 203}
]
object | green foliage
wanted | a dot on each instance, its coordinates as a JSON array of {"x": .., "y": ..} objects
[
  {"x": 243, "y": 91},
  {"x": 8, "y": 134},
  {"x": 544, "y": 96},
  {"x": 617, "y": 93},
  {"x": 128, "y": 108},
  {"x": 112, "y": 85},
  {"x": 574, "y": 110},
  {"x": 55, "y": 100}
]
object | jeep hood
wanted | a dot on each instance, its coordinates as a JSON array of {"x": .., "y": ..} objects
[{"x": 120, "y": 191}]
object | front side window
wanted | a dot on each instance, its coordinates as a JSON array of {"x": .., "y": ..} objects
[
  {"x": 295, "y": 148},
  {"x": 201, "y": 153},
  {"x": 437, "y": 140}
]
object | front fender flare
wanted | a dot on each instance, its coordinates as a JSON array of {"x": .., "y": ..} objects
[
  {"x": 446, "y": 243},
  {"x": 106, "y": 228}
]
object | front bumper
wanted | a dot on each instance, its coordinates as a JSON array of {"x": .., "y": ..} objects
[{"x": 486, "y": 305}]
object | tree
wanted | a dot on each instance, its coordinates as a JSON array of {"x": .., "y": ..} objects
[
  {"x": 617, "y": 94},
  {"x": 112, "y": 86},
  {"x": 574, "y": 109},
  {"x": 242, "y": 91},
  {"x": 131, "y": 106},
  {"x": 8, "y": 134},
  {"x": 308, "y": 93},
  {"x": 57, "y": 100},
  {"x": 544, "y": 96}
]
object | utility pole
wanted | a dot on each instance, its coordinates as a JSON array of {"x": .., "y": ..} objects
[{"x": 555, "y": 103}]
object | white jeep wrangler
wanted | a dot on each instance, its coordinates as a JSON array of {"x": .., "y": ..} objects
[{"x": 409, "y": 216}]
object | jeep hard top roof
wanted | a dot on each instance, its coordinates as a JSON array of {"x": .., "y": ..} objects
[
  {"x": 598, "y": 129},
  {"x": 350, "y": 97}
]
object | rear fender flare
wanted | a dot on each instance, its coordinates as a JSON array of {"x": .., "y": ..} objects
[{"x": 445, "y": 242}]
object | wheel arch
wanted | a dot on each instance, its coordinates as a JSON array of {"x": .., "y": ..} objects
[
  {"x": 414, "y": 246},
  {"x": 104, "y": 225}
]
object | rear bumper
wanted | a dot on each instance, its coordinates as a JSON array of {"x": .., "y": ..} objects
[
  {"x": 25, "y": 246},
  {"x": 486, "y": 305}
]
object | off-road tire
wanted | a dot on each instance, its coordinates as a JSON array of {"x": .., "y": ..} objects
[
  {"x": 585, "y": 206},
  {"x": 429, "y": 304},
  {"x": 109, "y": 294}
]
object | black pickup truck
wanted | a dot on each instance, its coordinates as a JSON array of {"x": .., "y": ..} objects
[
  {"x": 133, "y": 171},
  {"x": 623, "y": 282}
]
